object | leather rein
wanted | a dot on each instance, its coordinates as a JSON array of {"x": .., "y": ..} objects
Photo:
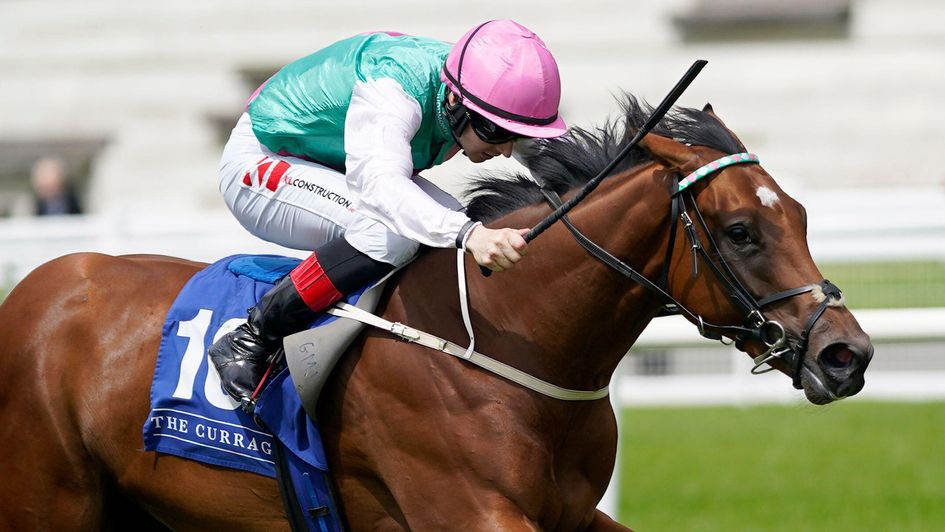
[{"x": 755, "y": 327}]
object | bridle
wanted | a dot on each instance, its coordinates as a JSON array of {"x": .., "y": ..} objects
[{"x": 755, "y": 327}]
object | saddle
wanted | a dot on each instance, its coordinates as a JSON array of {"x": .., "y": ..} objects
[
  {"x": 312, "y": 354},
  {"x": 191, "y": 417}
]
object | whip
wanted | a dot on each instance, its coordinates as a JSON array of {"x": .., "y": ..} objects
[{"x": 647, "y": 126}]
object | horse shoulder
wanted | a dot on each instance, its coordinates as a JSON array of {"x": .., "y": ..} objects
[{"x": 397, "y": 412}]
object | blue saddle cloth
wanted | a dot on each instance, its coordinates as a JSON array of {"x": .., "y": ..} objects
[{"x": 192, "y": 417}]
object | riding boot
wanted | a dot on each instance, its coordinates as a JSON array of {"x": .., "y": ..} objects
[{"x": 289, "y": 307}]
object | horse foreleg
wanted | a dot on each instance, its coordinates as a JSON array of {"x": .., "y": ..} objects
[{"x": 603, "y": 523}]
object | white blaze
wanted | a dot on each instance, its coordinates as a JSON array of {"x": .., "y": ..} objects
[{"x": 767, "y": 196}]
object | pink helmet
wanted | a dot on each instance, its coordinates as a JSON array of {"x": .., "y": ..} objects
[{"x": 503, "y": 71}]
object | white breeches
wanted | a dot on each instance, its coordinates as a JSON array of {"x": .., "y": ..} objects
[{"x": 300, "y": 204}]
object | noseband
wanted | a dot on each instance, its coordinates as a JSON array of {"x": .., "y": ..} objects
[{"x": 756, "y": 327}]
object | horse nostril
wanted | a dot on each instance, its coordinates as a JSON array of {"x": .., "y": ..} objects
[{"x": 838, "y": 356}]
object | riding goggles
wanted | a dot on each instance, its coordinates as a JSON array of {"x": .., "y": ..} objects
[{"x": 488, "y": 131}]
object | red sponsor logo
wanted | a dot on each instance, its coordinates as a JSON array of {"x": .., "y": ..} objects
[{"x": 266, "y": 174}]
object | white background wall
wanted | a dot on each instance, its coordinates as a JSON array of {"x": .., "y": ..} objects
[
  {"x": 861, "y": 111},
  {"x": 853, "y": 127}
]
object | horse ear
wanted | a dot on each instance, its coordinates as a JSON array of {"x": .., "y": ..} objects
[
  {"x": 675, "y": 154},
  {"x": 711, "y": 112}
]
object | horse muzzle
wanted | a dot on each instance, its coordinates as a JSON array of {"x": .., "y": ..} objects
[
  {"x": 837, "y": 371},
  {"x": 829, "y": 367}
]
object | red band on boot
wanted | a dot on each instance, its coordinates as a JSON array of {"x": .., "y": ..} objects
[{"x": 315, "y": 288}]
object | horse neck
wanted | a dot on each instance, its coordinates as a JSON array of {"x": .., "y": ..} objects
[{"x": 560, "y": 314}]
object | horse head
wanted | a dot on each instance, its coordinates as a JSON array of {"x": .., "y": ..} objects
[
  {"x": 757, "y": 271},
  {"x": 687, "y": 219}
]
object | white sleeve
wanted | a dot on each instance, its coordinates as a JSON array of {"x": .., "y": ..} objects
[{"x": 381, "y": 121}]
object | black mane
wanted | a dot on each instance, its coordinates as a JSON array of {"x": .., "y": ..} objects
[{"x": 574, "y": 159}]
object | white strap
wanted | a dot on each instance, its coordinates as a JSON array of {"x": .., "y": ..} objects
[
  {"x": 344, "y": 310},
  {"x": 464, "y": 300}
]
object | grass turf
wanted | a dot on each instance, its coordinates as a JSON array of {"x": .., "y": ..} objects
[{"x": 850, "y": 466}]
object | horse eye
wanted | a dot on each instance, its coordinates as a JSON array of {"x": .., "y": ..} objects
[{"x": 738, "y": 234}]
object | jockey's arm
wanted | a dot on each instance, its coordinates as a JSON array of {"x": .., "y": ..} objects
[{"x": 382, "y": 119}]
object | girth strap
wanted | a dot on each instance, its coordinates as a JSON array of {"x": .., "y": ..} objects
[{"x": 517, "y": 376}]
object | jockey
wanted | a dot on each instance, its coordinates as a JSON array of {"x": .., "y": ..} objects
[{"x": 327, "y": 154}]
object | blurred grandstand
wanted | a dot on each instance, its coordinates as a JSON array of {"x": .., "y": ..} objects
[{"x": 840, "y": 98}]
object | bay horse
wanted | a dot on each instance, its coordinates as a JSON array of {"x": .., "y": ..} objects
[{"x": 418, "y": 440}]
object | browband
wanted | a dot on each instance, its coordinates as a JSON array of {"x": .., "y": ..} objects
[{"x": 715, "y": 166}]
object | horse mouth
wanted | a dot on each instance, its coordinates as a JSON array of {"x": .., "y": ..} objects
[
  {"x": 815, "y": 390},
  {"x": 837, "y": 373}
]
